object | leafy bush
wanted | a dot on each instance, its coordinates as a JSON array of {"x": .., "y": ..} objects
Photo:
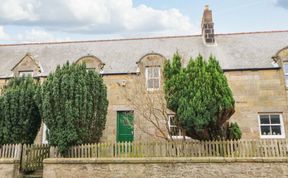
[{"x": 234, "y": 132}]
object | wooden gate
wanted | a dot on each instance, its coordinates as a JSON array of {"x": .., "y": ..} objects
[{"x": 33, "y": 156}]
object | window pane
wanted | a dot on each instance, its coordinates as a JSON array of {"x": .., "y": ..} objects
[
  {"x": 156, "y": 83},
  {"x": 26, "y": 73},
  {"x": 276, "y": 130},
  {"x": 150, "y": 74},
  {"x": 286, "y": 68},
  {"x": 275, "y": 119},
  {"x": 264, "y": 119},
  {"x": 156, "y": 72},
  {"x": 175, "y": 131},
  {"x": 150, "y": 83},
  {"x": 265, "y": 130},
  {"x": 173, "y": 121}
]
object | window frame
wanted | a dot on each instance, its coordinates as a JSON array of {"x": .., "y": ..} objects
[
  {"x": 90, "y": 69},
  {"x": 153, "y": 78},
  {"x": 285, "y": 74},
  {"x": 21, "y": 73},
  {"x": 180, "y": 136},
  {"x": 44, "y": 134},
  {"x": 282, "y": 129}
]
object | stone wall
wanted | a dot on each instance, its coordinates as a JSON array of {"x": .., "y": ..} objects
[
  {"x": 255, "y": 91},
  {"x": 9, "y": 168},
  {"x": 165, "y": 167},
  {"x": 258, "y": 91}
]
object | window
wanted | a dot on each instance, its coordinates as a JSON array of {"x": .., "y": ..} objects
[
  {"x": 90, "y": 69},
  {"x": 153, "y": 78},
  {"x": 44, "y": 135},
  {"x": 26, "y": 73},
  {"x": 286, "y": 73},
  {"x": 173, "y": 128},
  {"x": 271, "y": 126}
]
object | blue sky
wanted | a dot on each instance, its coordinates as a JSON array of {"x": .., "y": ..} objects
[{"x": 24, "y": 21}]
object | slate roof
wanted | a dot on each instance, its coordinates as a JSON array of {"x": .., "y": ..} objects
[{"x": 234, "y": 51}]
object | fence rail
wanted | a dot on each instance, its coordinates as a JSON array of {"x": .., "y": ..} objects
[
  {"x": 232, "y": 148},
  {"x": 10, "y": 151}
]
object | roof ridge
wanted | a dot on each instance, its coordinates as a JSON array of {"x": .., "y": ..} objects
[
  {"x": 92, "y": 41},
  {"x": 140, "y": 38},
  {"x": 255, "y": 32}
]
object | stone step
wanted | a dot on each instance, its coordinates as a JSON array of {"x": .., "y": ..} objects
[{"x": 34, "y": 174}]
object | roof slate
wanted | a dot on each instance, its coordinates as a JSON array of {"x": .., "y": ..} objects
[{"x": 234, "y": 51}]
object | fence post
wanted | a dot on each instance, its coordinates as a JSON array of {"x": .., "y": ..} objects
[
  {"x": 18, "y": 151},
  {"x": 52, "y": 152}
]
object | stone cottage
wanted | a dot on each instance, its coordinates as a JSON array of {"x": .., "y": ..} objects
[{"x": 255, "y": 63}]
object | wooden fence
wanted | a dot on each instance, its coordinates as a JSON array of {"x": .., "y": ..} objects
[
  {"x": 33, "y": 156},
  {"x": 30, "y": 155},
  {"x": 241, "y": 148},
  {"x": 10, "y": 151}
]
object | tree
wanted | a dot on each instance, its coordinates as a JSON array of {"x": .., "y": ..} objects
[
  {"x": 73, "y": 104},
  {"x": 150, "y": 106},
  {"x": 20, "y": 117},
  {"x": 200, "y": 96}
]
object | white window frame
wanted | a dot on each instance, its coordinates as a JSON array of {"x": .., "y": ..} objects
[
  {"x": 44, "y": 135},
  {"x": 147, "y": 77},
  {"x": 26, "y": 73},
  {"x": 281, "y": 126},
  {"x": 90, "y": 69},
  {"x": 180, "y": 136},
  {"x": 285, "y": 73}
]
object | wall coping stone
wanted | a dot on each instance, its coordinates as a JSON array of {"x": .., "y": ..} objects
[
  {"x": 164, "y": 160},
  {"x": 9, "y": 161}
]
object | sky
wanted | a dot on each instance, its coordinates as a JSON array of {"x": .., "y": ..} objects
[{"x": 25, "y": 21}]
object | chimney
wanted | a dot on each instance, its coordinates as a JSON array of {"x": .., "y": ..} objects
[{"x": 208, "y": 26}]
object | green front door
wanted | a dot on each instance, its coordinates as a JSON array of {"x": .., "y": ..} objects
[{"x": 125, "y": 126}]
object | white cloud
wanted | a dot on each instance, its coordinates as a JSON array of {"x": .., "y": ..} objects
[
  {"x": 35, "y": 35},
  {"x": 3, "y": 34},
  {"x": 93, "y": 16},
  {"x": 17, "y": 10}
]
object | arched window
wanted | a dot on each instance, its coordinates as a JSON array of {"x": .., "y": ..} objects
[
  {"x": 282, "y": 58},
  {"x": 92, "y": 63},
  {"x": 151, "y": 66}
]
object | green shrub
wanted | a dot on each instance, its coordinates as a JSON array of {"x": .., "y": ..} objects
[
  {"x": 234, "y": 132},
  {"x": 20, "y": 117},
  {"x": 73, "y": 103}
]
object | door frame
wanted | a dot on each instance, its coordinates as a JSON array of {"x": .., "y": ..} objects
[{"x": 117, "y": 122}]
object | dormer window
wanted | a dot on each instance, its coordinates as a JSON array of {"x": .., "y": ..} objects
[
  {"x": 26, "y": 73},
  {"x": 27, "y": 66},
  {"x": 92, "y": 63},
  {"x": 153, "y": 78}
]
